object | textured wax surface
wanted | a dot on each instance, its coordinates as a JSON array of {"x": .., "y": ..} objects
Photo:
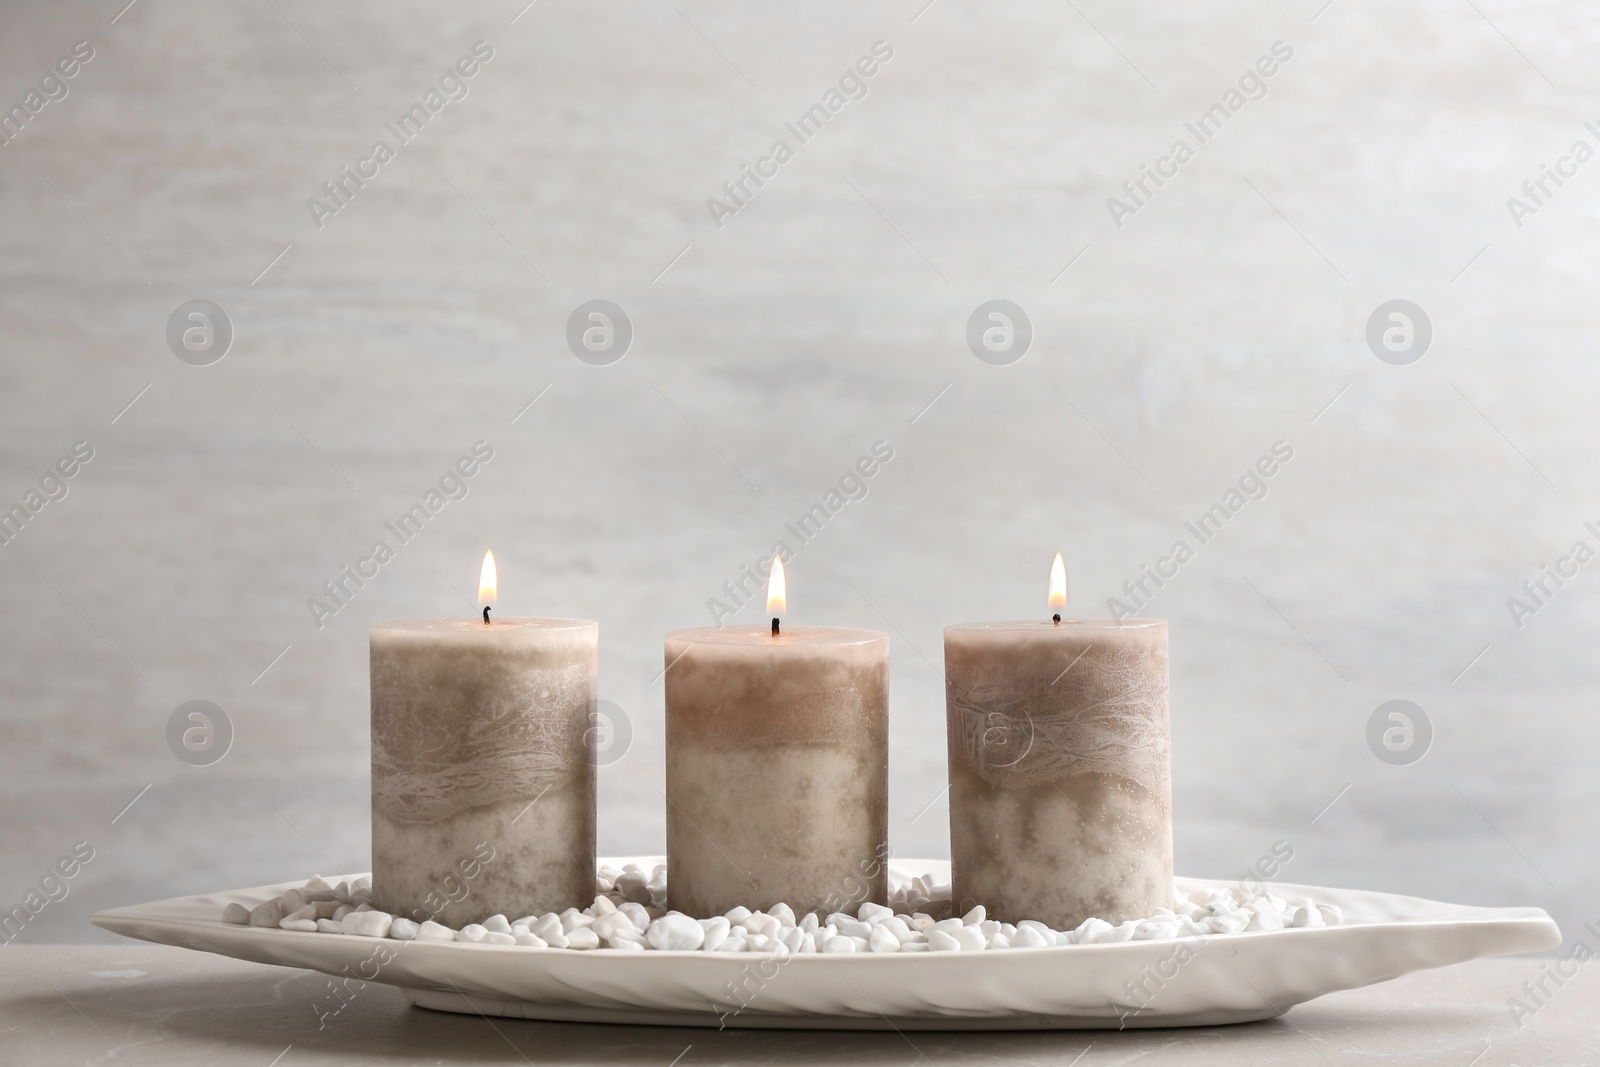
[
  {"x": 1061, "y": 796},
  {"x": 777, "y": 768},
  {"x": 481, "y": 747}
]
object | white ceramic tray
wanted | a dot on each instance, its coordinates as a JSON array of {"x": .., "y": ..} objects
[{"x": 1225, "y": 978}]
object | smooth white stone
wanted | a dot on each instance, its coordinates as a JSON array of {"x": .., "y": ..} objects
[
  {"x": 304, "y": 926},
  {"x": 237, "y": 914},
  {"x": 869, "y": 912},
  {"x": 269, "y": 914},
  {"x": 637, "y": 914},
  {"x": 1114, "y": 934},
  {"x": 583, "y": 938},
  {"x": 882, "y": 940},
  {"x": 975, "y": 916},
  {"x": 970, "y": 938},
  {"x": 783, "y": 913},
  {"x": 941, "y": 941},
  {"x": 330, "y": 926},
  {"x": 1027, "y": 937},
  {"x": 1155, "y": 930},
  {"x": 1331, "y": 915},
  {"x": 675, "y": 932},
  {"x": 838, "y": 943},
  {"x": 432, "y": 931},
  {"x": 495, "y": 937},
  {"x": 472, "y": 934},
  {"x": 403, "y": 929},
  {"x": 1265, "y": 919},
  {"x": 738, "y": 915},
  {"x": 527, "y": 939},
  {"x": 368, "y": 923},
  {"x": 497, "y": 924}
]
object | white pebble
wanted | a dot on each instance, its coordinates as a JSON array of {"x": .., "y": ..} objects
[
  {"x": 304, "y": 926},
  {"x": 970, "y": 938},
  {"x": 332, "y": 926},
  {"x": 1089, "y": 930},
  {"x": 1155, "y": 930},
  {"x": 237, "y": 914},
  {"x": 1265, "y": 919},
  {"x": 941, "y": 941},
  {"x": 603, "y": 905},
  {"x": 556, "y": 938},
  {"x": 307, "y": 912},
  {"x": 1116, "y": 934},
  {"x": 1190, "y": 928},
  {"x": 471, "y": 934},
  {"x": 838, "y": 943},
  {"x": 583, "y": 938},
  {"x": 1331, "y": 915},
  {"x": 738, "y": 915},
  {"x": 730, "y": 945},
  {"x": 497, "y": 924},
  {"x": 999, "y": 940},
  {"x": 873, "y": 913},
  {"x": 783, "y": 913},
  {"x": 949, "y": 926},
  {"x": 432, "y": 931},
  {"x": 975, "y": 916},
  {"x": 1307, "y": 915},
  {"x": 268, "y": 914},
  {"x": 637, "y": 914},
  {"x": 810, "y": 923},
  {"x": 495, "y": 937},
  {"x": 882, "y": 940},
  {"x": 1028, "y": 937},
  {"x": 291, "y": 901},
  {"x": 675, "y": 932},
  {"x": 528, "y": 940},
  {"x": 368, "y": 923},
  {"x": 1231, "y": 923},
  {"x": 716, "y": 936},
  {"x": 318, "y": 884},
  {"x": 852, "y": 927},
  {"x": 403, "y": 929}
]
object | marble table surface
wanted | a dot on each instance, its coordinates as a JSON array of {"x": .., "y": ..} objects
[{"x": 146, "y": 1004}]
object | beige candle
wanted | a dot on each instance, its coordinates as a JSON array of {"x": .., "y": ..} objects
[
  {"x": 483, "y": 785},
  {"x": 777, "y": 767},
  {"x": 1060, "y": 779}
]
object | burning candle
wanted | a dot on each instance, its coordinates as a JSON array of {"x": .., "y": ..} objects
[
  {"x": 1060, "y": 767},
  {"x": 777, "y": 765},
  {"x": 483, "y": 780}
]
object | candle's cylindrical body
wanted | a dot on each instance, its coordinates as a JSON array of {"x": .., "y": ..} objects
[
  {"x": 777, "y": 768},
  {"x": 1060, "y": 769},
  {"x": 483, "y": 780}
]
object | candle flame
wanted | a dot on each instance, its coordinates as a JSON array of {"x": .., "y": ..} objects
[
  {"x": 488, "y": 580},
  {"x": 777, "y": 589},
  {"x": 1058, "y": 584}
]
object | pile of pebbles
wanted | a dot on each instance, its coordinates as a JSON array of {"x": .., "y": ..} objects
[{"x": 629, "y": 913}]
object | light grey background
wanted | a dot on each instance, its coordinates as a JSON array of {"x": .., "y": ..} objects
[{"x": 1228, "y": 314}]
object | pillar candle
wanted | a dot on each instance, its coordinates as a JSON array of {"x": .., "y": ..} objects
[
  {"x": 1060, "y": 781},
  {"x": 483, "y": 785},
  {"x": 777, "y": 768}
]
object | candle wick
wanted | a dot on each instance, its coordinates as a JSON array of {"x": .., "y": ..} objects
[
  {"x": 774, "y": 626},
  {"x": 486, "y": 608},
  {"x": 1056, "y": 619}
]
